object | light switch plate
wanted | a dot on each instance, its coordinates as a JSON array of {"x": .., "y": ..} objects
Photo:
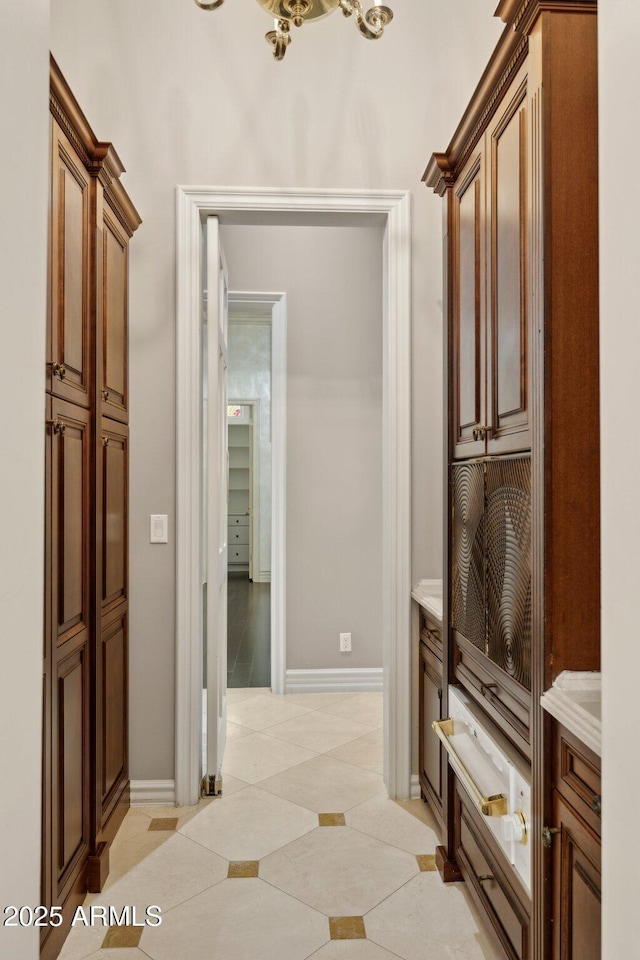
[{"x": 158, "y": 528}]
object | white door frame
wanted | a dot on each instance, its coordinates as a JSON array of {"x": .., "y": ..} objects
[
  {"x": 276, "y": 303},
  {"x": 193, "y": 205}
]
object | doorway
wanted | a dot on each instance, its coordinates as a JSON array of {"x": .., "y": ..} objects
[{"x": 391, "y": 209}]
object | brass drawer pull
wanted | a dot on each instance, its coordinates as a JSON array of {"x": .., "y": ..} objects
[
  {"x": 547, "y": 835},
  {"x": 494, "y": 806},
  {"x": 596, "y": 805},
  {"x": 487, "y": 876},
  {"x": 105, "y": 441},
  {"x": 484, "y": 687},
  {"x": 58, "y": 369},
  {"x": 105, "y": 395}
]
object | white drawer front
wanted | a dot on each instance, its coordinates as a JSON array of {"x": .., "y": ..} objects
[
  {"x": 238, "y": 521},
  {"x": 238, "y": 535},
  {"x": 238, "y": 553}
]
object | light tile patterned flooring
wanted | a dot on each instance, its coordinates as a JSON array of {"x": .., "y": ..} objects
[{"x": 304, "y": 856}]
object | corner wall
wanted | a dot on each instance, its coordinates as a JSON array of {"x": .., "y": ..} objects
[
  {"x": 24, "y": 173},
  {"x": 619, "y": 80}
]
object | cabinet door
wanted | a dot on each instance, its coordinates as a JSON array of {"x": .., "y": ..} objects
[
  {"x": 576, "y": 888},
  {"x": 69, "y": 642},
  {"x": 68, "y": 342},
  {"x": 508, "y": 348},
  {"x": 112, "y": 654},
  {"x": 113, "y": 370},
  {"x": 468, "y": 616},
  {"x": 430, "y": 710},
  {"x": 468, "y": 311}
]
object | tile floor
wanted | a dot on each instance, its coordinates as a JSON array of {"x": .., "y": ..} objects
[{"x": 304, "y": 856}]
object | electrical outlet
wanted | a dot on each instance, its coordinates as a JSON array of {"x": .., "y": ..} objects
[{"x": 345, "y": 643}]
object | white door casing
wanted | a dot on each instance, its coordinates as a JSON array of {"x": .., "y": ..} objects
[{"x": 193, "y": 204}]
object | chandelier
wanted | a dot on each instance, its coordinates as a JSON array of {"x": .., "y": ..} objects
[{"x": 287, "y": 12}]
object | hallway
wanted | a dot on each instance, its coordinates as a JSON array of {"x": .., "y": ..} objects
[
  {"x": 304, "y": 855},
  {"x": 248, "y": 632}
]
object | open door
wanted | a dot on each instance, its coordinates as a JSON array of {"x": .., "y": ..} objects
[{"x": 215, "y": 495}]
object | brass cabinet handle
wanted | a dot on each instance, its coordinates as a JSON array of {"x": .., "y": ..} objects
[
  {"x": 105, "y": 395},
  {"x": 58, "y": 427},
  {"x": 479, "y": 433},
  {"x": 493, "y": 806},
  {"x": 547, "y": 835},
  {"x": 487, "y": 876},
  {"x": 105, "y": 441},
  {"x": 58, "y": 369},
  {"x": 484, "y": 687},
  {"x": 596, "y": 805}
]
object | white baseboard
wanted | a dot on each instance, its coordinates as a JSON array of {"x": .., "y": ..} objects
[
  {"x": 155, "y": 792},
  {"x": 415, "y": 787},
  {"x": 346, "y": 679}
]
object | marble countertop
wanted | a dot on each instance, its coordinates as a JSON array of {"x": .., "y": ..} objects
[
  {"x": 428, "y": 593},
  {"x": 575, "y": 700}
]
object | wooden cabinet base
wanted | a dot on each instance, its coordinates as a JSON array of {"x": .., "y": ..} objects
[
  {"x": 447, "y": 868},
  {"x": 55, "y": 936}
]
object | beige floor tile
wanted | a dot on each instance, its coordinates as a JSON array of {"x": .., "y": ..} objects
[
  {"x": 340, "y": 872},
  {"x": 125, "y": 936},
  {"x": 238, "y": 920},
  {"x": 236, "y": 694},
  {"x": 324, "y": 784},
  {"x": 385, "y": 820},
  {"x": 136, "y": 822},
  {"x": 366, "y": 751},
  {"x": 249, "y": 825},
  {"x": 420, "y": 810},
  {"x": 119, "y": 953},
  {"x": 425, "y": 920},
  {"x": 231, "y": 785},
  {"x": 177, "y": 870},
  {"x": 164, "y": 823},
  {"x": 318, "y": 731},
  {"x": 352, "y": 950},
  {"x": 313, "y": 701},
  {"x": 235, "y": 731},
  {"x": 364, "y": 707},
  {"x": 183, "y": 813},
  {"x": 82, "y": 942},
  {"x": 124, "y": 855},
  {"x": 257, "y": 757},
  {"x": 261, "y": 712}
]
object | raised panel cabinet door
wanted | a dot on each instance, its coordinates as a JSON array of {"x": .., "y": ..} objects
[
  {"x": 576, "y": 888},
  {"x": 69, "y": 573},
  {"x": 113, "y": 715},
  {"x": 430, "y": 710},
  {"x": 508, "y": 353},
  {"x": 69, "y": 341},
  {"x": 468, "y": 311},
  {"x": 113, "y": 351},
  {"x": 113, "y": 522}
]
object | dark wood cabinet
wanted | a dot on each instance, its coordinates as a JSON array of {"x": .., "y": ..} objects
[
  {"x": 431, "y": 758},
  {"x": 576, "y": 880},
  {"x": 522, "y": 559},
  {"x": 85, "y": 693}
]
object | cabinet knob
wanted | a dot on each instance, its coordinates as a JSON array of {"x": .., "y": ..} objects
[
  {"x": 548, "y": 834},
  {"x": 596, "y": 805},
  {"x": 105, "y": 395},
  {"x": 105, "y": 441}
]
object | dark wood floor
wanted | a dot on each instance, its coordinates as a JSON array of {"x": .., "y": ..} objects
[{"x": 249, "y": 632}]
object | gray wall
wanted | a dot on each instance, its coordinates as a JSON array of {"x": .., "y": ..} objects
[
  {"x": 332, "y": 277},
  {"x": 24, "y": 166},
  {"x": 192, "y": 97}
]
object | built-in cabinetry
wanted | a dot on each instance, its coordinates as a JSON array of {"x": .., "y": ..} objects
[
  {"x": 576, "y": 906},
  {"x": 85, "y": 774},
  {"x": 430, "y": 753},
  {"x": 522, "y": 564},
  {"x": 240, "y": 479}
]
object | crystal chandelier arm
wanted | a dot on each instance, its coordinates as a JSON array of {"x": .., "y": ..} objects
[
  {"x": 208, "y": 4},
  {"x": 371, "y": 25}
]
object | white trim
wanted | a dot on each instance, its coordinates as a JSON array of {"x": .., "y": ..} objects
[
  {"x": 342, "y": 680},
  {"x": 194, "y": 203},
  {"x": 416, "y": 793},
  {"x": 156, "y": 792}
]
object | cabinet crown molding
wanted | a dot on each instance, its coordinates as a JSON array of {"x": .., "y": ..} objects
[{"x": 100, "y": 158}]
